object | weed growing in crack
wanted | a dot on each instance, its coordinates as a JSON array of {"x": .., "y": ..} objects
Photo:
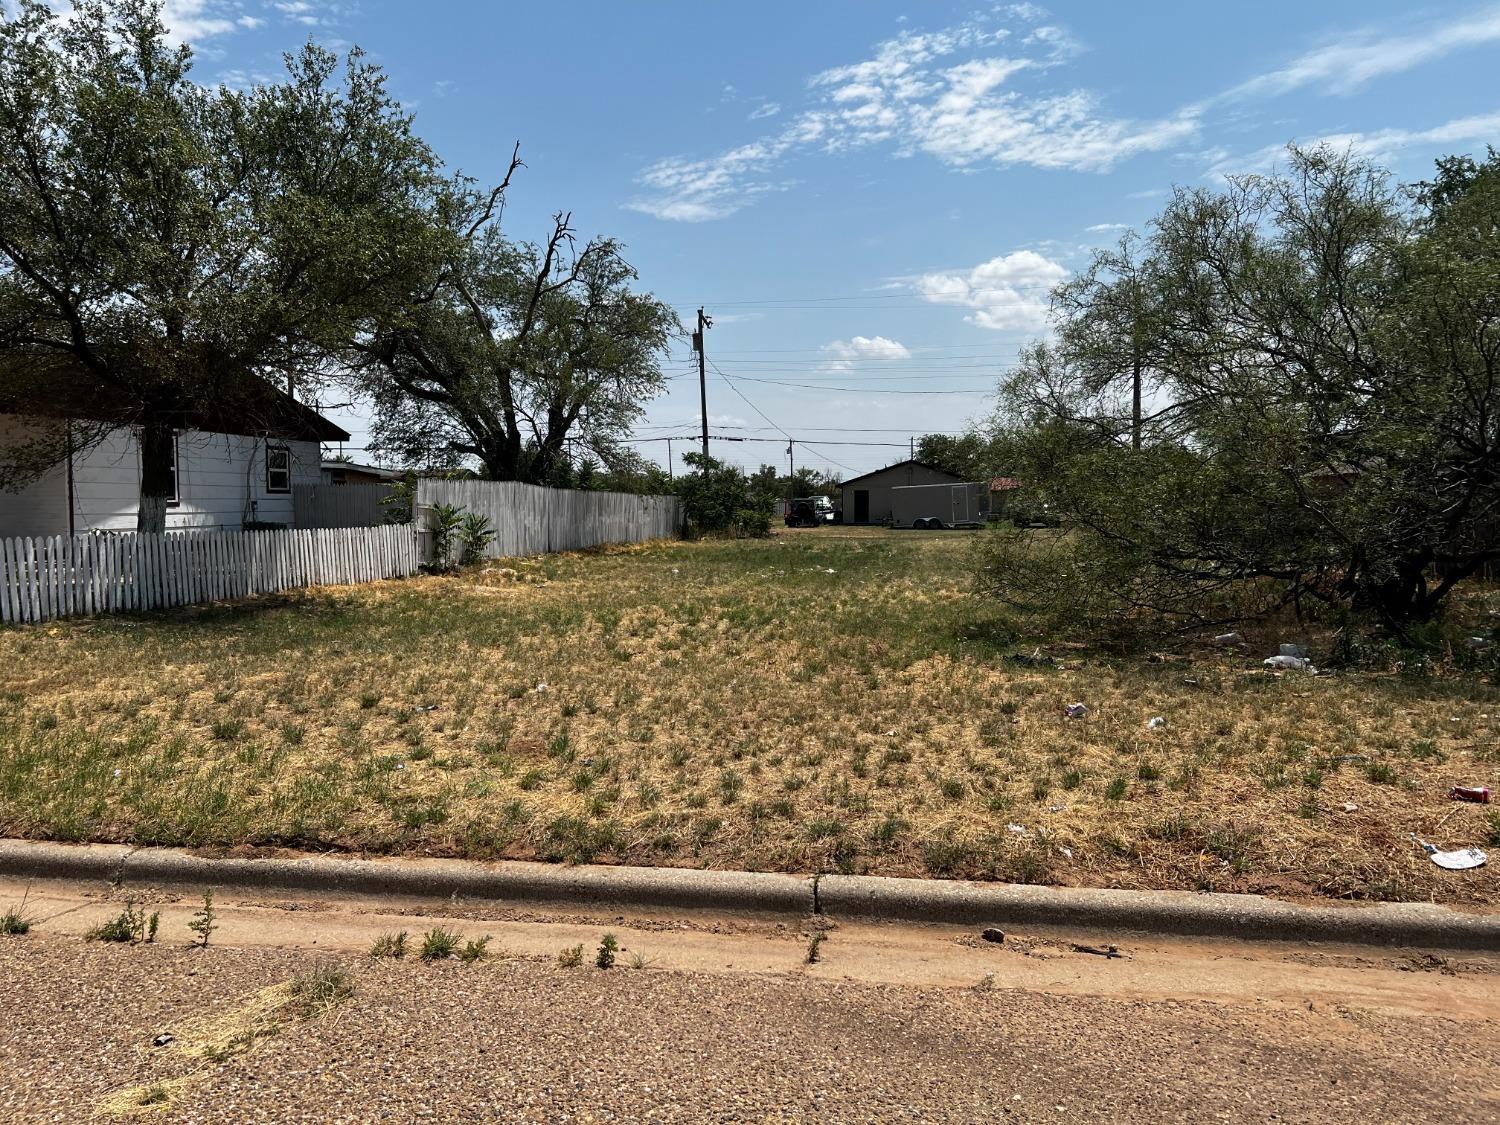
[
  {"x": 131, "y": 926},
  {"x": 203, "y": 921},
  {"x": 390, "y": 945},
  {"x": 815, "y": 948},
  {"x": 605, "y": 958},
  {"x": 439, "y": 944}
]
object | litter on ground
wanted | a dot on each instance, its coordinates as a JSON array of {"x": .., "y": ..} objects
[
  {"x": 1077, "y": 710},
  {"x": 1461, "y": 860}
]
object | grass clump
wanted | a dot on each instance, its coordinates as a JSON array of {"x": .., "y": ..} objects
[
  {"x": 475, "y": 950},
  {"x": 320, "y": 990},
  {"x": 571, "y": 957},
  {"x": 390, "y": 945},
  {"x": 439, "y": 944},
  {"x": 14, "y": 923}
]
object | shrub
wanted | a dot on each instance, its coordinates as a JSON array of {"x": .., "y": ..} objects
[
  {"x": 716, "y": 499},
  {"x": 571, "y": 957},
  {"x": 474, "y": 536}
]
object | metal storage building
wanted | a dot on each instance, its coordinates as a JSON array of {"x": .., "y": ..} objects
[{"x": 867, "y": 499}]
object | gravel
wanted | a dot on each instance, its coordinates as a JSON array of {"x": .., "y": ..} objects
[{"x": 520, "y": 1040}]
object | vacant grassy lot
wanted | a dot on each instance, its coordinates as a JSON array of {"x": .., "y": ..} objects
[{"x": 823, "y": 700}]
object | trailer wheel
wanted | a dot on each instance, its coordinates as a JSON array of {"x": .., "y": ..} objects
[{"x": 934, "y": 524}]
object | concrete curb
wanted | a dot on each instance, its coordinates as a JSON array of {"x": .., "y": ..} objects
[
  {"x": 739, "y": 891},
  {"x": 1184, "y": 913},
  {"x": 1421, "y": 925}
]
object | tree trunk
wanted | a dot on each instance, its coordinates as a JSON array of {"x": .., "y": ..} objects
[
  {"x": 1135, "y": 403},
  {"x": 158, "y": 472}
]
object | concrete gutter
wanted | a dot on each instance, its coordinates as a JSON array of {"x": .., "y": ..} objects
[{"x": 1421, "y": 925}]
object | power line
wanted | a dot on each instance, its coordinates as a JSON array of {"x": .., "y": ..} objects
[{"x": 851, "y": 390}]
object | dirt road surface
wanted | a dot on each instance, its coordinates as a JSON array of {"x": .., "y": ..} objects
[{"x": 718, "y": 1019}]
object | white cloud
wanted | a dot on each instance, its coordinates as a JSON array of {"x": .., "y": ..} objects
[
  {"x": 251, "y": 23},
  {"x": 769, "y": 109},
  {"x": 1382, "y": 145},
  {"x": 946, "y": 93},
  {"x": 1009, "y": 293},
  {"x": 1356, "y": 59},
  {"x": 847, "y": 353},
  {"x": 1100, "y": 228},
  {"x": 191, "y": 21}
]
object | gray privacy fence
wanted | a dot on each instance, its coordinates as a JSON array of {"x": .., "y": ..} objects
[
  {"x": 65, "y": 575},
  {"x": 531, "y": 520},
  {"x": 339, "y": 505}
]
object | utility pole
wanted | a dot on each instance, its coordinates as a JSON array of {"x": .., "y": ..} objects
[
  {"x": 791, "y": 458},
  {"x": 913, "y": 441},
  {"x": 703, "y": 323},
  {"x": 669, "y": 459}
]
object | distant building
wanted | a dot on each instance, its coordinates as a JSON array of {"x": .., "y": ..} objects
[
  {"x": 867, "y": 499},
  {"x": 349, "y": 472}
]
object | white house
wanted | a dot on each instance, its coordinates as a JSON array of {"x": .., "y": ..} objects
[{"x": 225, "y": 478}]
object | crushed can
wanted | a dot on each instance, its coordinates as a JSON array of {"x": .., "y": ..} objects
[{"x": 1480, "y": 794}]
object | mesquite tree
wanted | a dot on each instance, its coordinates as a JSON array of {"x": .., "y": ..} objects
[
  {"x": 1326, "y": 415},
  {"x": 165, "y": 247}
]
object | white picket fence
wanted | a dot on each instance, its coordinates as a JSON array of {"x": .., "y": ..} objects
[
  {"x": 61, "y": 576},
  {"x": 528, "y": 519}
]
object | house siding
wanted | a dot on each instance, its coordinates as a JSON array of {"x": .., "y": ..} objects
[{"x": 219, "y": 477}]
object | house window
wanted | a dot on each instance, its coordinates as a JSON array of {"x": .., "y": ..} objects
[
  {"x": 278, "y": 468},
  {"x": 176, "y": 495}
]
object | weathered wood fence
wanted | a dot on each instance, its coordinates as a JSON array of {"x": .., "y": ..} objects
[
  {"x": 339, "y": 505},
  {"x": 531, "y": 520},
  {"x": 61, "y": 576}
]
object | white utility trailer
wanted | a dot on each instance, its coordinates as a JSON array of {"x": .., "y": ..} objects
[{"x": 925, "y": 507}]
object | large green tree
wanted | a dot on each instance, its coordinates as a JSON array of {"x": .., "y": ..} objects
[
  {"x": 164, "y": 246},
  {"x": 1327, "y": 423},
  {"x": 523, "y": 357}
]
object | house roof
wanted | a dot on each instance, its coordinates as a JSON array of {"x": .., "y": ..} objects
[
  {"x": 244, "y": 404},
  {"x": 356, "y": 467},
  {"x": 902, "y": 464}
]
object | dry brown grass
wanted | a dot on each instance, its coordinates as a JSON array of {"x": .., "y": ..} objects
[{"x": 736, "y": 705}]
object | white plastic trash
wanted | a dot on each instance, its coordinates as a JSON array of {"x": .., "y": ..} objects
[
  {"x": 1157, "y": 723},
  {"x": 1227, "y": 639},
  {"x": 1290, "y": 662},
  {"x": 1077, "y": 710},
  {"x": 1461, "y": 860}
]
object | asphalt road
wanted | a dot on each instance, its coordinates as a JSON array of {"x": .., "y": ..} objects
[{"x": 727, "y": 1023}]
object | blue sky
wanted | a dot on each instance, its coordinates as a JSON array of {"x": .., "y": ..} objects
[{"x": 871, "y": 199}]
